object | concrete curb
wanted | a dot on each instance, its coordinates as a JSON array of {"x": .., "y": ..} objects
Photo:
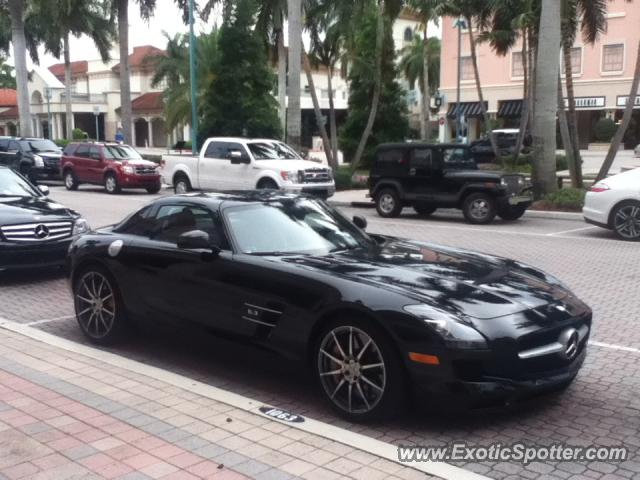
[{"x": 548, "y": 214}]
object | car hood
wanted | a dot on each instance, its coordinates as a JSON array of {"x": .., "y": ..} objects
[
  {"x": 475, "y": 175},
  {"x": 14, "y": 210},
  {"x": 288, "y": 165},
  {"x": 140, "y": 163},
  {"x": 454, "y": 280}
]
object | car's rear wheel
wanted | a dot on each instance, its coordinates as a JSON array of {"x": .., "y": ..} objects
[
  {"x": 359, "y": 370},
  {"x": 154, "y": 189},
  {"x": 479, "y": 208},
  {"x": 70, "y": 180},
  {"x": 388, "y": 203},
  {"x": 512, "y": 212},
  {"x": 424, "y": 209},
  {"x": 98, "y": 305},
  {"x": 111, "y": 184},
  {"x": 181, "y": 185},
  {"x": 626, "y": 221}
]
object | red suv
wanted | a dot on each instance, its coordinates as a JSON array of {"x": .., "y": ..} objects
[{"x": 110, "y": 164}]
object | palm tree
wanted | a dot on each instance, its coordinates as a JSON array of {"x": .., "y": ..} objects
[
  {"x": 412, "y": 64},
  {"x": 294, "y": 114},
  {"x": 624, "y": 125},
  {"x": 7, "y": 79},
  {"x": 63, "y": 18},
  {"x": 546, "y": 94}
]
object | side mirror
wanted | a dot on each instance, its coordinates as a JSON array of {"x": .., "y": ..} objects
[
  {"x": 360, "y": 222},
  {"x": 44, "y": 190},
  {"x": 197, "y": 240},
  {"x": 237, "y": 158}
]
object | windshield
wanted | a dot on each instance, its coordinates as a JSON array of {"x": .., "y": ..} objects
[
  {"x": 292, "y": 227},
  {"x": 12, "y": 185},
  {"x": 39, "y": 146},
  {"x": 121, "y": 152},
  {"x": 272, "y": 151},
  {"x": 458, "y": 158}
]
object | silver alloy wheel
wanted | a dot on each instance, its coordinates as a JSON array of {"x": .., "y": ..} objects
[
  {"x": 68, "y": 180},
  {"x": 352, "y": 370},
  {"x": 387, "y": 203},
  {"x": 110, "y": 184},
  {"x": 181, "y": 187},
  {"x": 479, "y": 209},
  {"x": 627, "y": 222},
  {"x": 95, "y": 304}
]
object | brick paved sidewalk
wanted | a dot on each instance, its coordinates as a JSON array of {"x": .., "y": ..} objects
[{"x": 64, "y": 415}]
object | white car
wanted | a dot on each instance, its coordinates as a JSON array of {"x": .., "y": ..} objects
[
  {"x": 227, "y": 163},
  {"x": 614, "y": 203}
]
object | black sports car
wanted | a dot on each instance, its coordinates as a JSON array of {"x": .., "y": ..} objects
[
  {"x": 372, "y": 315},
  {"x": 34, "y": 230}
]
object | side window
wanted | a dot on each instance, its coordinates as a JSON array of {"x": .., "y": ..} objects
[
  {"x": 94, "y": 153},
  {"x": 70, "y": 149},
  {"x": 391, "y": 161},
  {"x": 421, "y": 159},
  {"x": 14, "y": 146},
  {"x": 229, "y": 146},
  {"x": 215, "y": 150},
  {"x": 82, "y": 151},
  {"x": 3, "y": 145},
  {"x": 174, "y": 220},
  {"x": 140, "y": 224}
]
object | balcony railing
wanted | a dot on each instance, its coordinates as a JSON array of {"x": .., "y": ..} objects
[{"x": 85, "y": 97}]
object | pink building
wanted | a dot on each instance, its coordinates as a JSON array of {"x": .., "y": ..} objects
[{"x": 602, "y": 76}]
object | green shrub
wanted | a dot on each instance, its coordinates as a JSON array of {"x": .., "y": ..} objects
[
  {"x": 62, "y": 142},
  {"x": 343, "y": 177},
  {"x": 79, "y": 134},
  {"x": 604, "y": 130},
  {"x": 565, "y": 199},
  {"x": 562, "y": 163}
]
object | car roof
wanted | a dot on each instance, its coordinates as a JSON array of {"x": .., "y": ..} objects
[
  {"x": 408, "y": 145},
  {"x": 102, "y": 144},
  {"x": 244, "y": 197},
  {"x": 242, "y": 139}
]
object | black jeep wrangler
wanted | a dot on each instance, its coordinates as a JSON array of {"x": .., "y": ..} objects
[{"x": 431, "y": 176}]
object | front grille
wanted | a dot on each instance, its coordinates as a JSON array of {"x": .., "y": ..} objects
[
  {"x": 146, "y": 170},
  {"x": 51, "y": 162},
  {"x": 37, "y": 232},
  {"x": 512, "y": 183},
  {"x": 317, "y": 175}
]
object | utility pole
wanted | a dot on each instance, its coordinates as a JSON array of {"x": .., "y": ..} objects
[
  {"x": 47, "y": 94},
  {"x": 192, "y": 74},
  {"x": 459, "y": 24},
  {"x": 96, "y": 113}
]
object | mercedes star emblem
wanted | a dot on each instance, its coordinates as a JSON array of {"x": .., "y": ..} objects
[
  {"x": 41, "y": 232},
  {"x": 569, "y": 339}
]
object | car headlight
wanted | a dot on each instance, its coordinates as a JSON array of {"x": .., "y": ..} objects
[
  {"x": 454, "y": 332},
  {"x": 81, "y": 226},
  {"x": 38, "y": 161},
  {"x": 128, "y": 169},
  {"x": 291, "y": 176}
]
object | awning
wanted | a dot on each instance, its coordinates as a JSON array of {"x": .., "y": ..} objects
[
  {"x": 468, "y": 109},
  {"x": 510, "y": 109}
]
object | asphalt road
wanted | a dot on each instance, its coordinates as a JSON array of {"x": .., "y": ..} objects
[{"x": 602, "y": 407}]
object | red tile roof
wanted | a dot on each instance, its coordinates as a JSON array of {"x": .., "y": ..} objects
[
  {"x": 148, "y": 102},
  {"x": 11, "y": 113},
  {"x": 8, "y": 97},
  {"x": 77, "y": 68},
  {"x": 142, "y": 57}
]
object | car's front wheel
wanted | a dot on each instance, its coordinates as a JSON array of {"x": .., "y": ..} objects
[
  {"x": 111, "y": 184},
  {"x": 70, "y": 180},
  {"x": 388, "y": 204},
  {"x": 626, "y": 221},
  {"x": 512, "y": 212},
  {"x": 98, "y": 306},
  {"x": 359, "y": 371},
  {"x": 479, "y": 208}
]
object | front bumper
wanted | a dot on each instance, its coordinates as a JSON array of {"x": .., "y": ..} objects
[
  {"x": 322, "y": 190},
  {"x": 140, "y": 181},
  {"x": 46, "y": 172},
  {"x": 14, "y": 256}
]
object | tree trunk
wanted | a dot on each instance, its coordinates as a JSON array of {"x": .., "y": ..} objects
[
  {"x": 572, "y": 118},
  {"x": 282, "y": 74},
  {"x": 377, "y": 88},
  {"x": 564, "y": 132},
  {"x": 624, "y": 125},
  {"x": 294, "y": 116},
  {"x": 316, "y": 108},
  {"x": 524, "y": 114},
  {"x": 533, "y": 53},
  {"x": 67, "y": 89},
  {"x": 546, "y": 99},
  {"x": 483, "y": 108},
  {"x": 16, "y": 12},
  {"x": 125, "y": 71},
  {"x": 425, "y": 86},
  {"x": 332, "y": 119}
]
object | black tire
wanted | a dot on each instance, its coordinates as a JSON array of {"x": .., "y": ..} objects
[
  {"x": 154, "y": 189},
  {"x": 479, "y": 208},
  {"x": 388, "y": 203},
  {"x": 512, "y": 212},
  {"x": 181, "y": 184},
  {"x": 424, "y": 209},
  {"x": 94, "y": 321},
  {"x": 385, "y": 401},
  {"x": 267, "y": 184},
  {"x": 111, "y": 184},
  {"x": 70, "y": 180},
  {"x": 625, "y": 221}
]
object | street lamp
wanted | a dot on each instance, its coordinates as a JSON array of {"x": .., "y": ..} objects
[
  {"x": 192, "y": 74},
  {"x": 96, "y": 113},
  {"x": 47, "y": 95},
  {"x": 459, "y": 23}
]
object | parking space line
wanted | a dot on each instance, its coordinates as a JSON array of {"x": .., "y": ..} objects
[
  {"x": 359, "y": 441},
  {"x": 49, "y": 320},
  {"x": 591, "y": 227},
  {"x": 614, "y": 347}
]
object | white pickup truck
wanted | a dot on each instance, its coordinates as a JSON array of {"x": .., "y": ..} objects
[{"x": 245, "y": 164}]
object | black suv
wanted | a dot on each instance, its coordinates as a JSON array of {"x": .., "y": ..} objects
[
  {"x": 427, "y": 177},
  {"x": 33, "y": 157}
]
